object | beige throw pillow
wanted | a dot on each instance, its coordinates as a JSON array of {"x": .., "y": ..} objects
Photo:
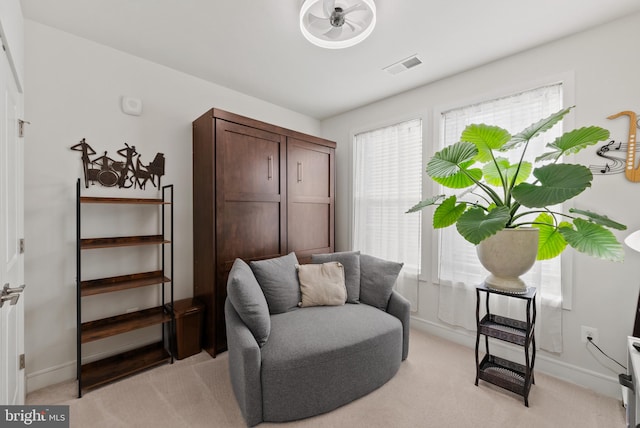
[{"x": 322, "y": 284}]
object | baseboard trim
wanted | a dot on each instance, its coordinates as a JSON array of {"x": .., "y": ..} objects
[
  {"x": 51, "y": 376},
  {"x": 602, "y": 384},
  {"x": 67, "y": 371}
]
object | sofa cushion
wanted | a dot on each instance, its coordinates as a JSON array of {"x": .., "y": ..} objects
[
  {"x": 320, "y": 358},
  {"x": 247, "y": 298},
  {"x": 279, "y": 282},
  {"x": 322, "y": 284},
  {"x": 377, "y": 277},
  {"x": 351, "y": 262}
]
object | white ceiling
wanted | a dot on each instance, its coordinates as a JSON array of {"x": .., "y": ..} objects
[{"x": 255, "y": 46}]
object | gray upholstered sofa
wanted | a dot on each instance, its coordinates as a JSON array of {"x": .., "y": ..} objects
[{"x": 288, "y": 362}]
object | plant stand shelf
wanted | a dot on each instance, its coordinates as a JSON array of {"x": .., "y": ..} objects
[
  {"x": 98, "y": 373},
  {"x": 503, "y": 328},
  {"x": 507, "y": 374}
]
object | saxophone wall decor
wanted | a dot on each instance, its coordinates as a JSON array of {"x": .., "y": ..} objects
[{"x": 621, "y": 157}]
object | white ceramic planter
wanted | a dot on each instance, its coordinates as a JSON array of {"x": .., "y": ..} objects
[{"x": 507, "y": 255}]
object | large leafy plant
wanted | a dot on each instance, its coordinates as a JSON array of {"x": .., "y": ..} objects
[{"x": 500, "y": 194}]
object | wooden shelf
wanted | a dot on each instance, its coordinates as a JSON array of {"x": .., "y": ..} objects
[
  {"x": 506, "y": 329},
  {"x": 135, "y": 201},
  {"x": 103, "y": 371},
  {"x": 98, "y": 373},
  {"x": 123, "y": 282},
  {"x": 106, "y": 327},
  {"x": 122, "y": 241}
]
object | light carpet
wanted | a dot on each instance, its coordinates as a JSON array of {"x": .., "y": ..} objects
[{"x": 433, "y": 388}]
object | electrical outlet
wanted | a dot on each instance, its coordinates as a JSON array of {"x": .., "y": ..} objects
[{"x": 589, "y": 332}]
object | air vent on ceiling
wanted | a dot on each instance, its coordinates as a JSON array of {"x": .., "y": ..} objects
[{"x": 403, "y": 65}]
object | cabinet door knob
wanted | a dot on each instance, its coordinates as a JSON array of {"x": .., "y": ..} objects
[
  {"x": 270, "y": 168},
  {"x": 300, "y": 172}
]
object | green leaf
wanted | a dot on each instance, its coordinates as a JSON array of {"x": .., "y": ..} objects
[
  {"x": 558, "y": 183},
  {"x": 599, "y": 218},
  {"x": 574, "y": 141},
  {"x": 426, "y": 203},
  {"x": 537, "y": 128},
  {"x": 485, "y": 138},
  {"x": 492, "y": 177},
  {"x": 475, "y": 225},
  {"x": 448, "y": 213},
  {"x": 551, "y": 243},
  {"x": 594, "y": 240},
  {"x": 451, "y": 159},
  {"x": 460, "y": 180}
]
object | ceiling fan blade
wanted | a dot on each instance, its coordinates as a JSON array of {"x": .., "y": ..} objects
[
  {"x": 328, "y": 6},
  {"x": 359, "y": 6},
  {"x": 318, "y": 23},
  {"x": 334, "y": 33},
  {"x": 355, "y": 25},
  {"x": 350, "y": 25}
]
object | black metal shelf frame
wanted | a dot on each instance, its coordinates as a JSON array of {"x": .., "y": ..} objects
[{"x": 509, "y": 375}]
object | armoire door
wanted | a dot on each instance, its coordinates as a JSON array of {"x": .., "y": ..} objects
[
  {"x": 310, "y": 193},
  {"x": 250, "y": 199}
]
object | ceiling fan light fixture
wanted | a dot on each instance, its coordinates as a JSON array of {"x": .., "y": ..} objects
[{"x": 337, "y": 24}]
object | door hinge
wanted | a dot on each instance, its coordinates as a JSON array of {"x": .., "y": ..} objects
[
  {"x": 21, "y": 246},
  {"x": 22, "y": 363},
  {"x": 21, "y": 124}
]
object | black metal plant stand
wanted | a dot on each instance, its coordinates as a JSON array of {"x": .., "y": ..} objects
[{"x": 507, "y": 374}]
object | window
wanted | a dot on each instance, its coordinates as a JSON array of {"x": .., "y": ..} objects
[
  {"x": 458, "y": 265},
  {"x": 388, "y": 181}
]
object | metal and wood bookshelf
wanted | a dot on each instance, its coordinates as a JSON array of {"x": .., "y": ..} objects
[{"x": 98, "y": 373}]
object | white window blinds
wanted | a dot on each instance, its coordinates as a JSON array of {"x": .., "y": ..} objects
[
  {"x": 459, "y": 269},
  {"x": 388, "y": 181}
]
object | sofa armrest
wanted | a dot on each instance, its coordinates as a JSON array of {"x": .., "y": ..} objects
[
  {"x": 400, "y": 308},
  {"x": 244, "y": 366}
]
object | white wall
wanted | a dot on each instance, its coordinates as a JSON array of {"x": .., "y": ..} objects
[
  {"x": 73, "y": 90},
  {"x": 605, "y": 73}
]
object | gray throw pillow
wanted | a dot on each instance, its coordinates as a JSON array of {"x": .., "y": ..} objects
[
  {"x": 248, "y": 300},
  {"x": 377, "y": 277},
  {"x": 279, "y": 282},
  {"x": 351, "y": 262}
]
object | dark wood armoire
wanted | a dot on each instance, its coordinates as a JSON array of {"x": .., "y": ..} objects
[{"x": 259, "y": 191}]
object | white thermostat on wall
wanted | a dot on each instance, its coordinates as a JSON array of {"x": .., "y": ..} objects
[{"x": 132, "y": 106}]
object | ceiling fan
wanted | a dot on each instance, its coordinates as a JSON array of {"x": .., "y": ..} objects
[{"x": 337, "y": 24}]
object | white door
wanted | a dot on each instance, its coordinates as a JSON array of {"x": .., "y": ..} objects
[{"x": 12, "y": 374}]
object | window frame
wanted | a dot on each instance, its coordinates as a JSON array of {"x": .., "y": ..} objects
[
  {"x": 567, "y": 79},
  {"x": 372, "y": 128}
]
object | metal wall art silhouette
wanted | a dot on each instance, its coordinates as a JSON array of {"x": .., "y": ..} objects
[{"x": 130, "y": 172}]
